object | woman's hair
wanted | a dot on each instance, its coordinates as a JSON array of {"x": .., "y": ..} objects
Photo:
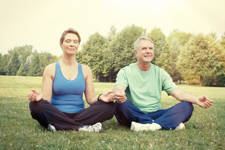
[{"x": 70, "y": 30}]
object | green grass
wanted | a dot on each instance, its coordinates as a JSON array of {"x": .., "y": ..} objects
[{"x": 205, "y": 130}]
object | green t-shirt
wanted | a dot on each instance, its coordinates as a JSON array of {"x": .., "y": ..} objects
[{"x": 144, "y": 88}]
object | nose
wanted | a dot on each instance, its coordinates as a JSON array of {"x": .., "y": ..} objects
[
  {"x": 148, "y": 50},
  {"x": 72, "y": 44}
]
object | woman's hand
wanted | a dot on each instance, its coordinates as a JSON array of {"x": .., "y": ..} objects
[
  {"x": 35, "y": 96},
  {"x": 112, "y": 96}
]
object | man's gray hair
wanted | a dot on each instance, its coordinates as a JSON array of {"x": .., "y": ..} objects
[{"x": 136, "y": 43}]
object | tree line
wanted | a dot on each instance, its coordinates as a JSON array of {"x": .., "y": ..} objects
[
  {"x": 193, "y": 59},
  {"x": 24, "y": 61}
]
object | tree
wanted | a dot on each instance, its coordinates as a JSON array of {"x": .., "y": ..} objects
[
  {"x": 174, "y": 45},
  {"x": 222, "y": 42},
  {"x": 107, "y": 57},
  {"x": 46, "y": 59},
  {"x": 112, "y": 33},
  {"x": 166, "y": 61},
  {"x": 16, "y": 58},
  {"x": 3, "y": 64},
  {"x": 159, "y": 40},
  {"x": 13, "y": 64},
  {"x": 35, "y": 69},
  {"x": 203, "y": 60},
  {"x": 22, "y": 51},
  {"x": 21, "y": 72},
  {"x": 92, "y": 54},
  {"x": 122, "y": 49},
  {"x": 27, "y": 65}
]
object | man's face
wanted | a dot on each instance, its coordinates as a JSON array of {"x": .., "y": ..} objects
[
  {"x": 145, "y": 52},
  {"x": 70, "y": 43}
]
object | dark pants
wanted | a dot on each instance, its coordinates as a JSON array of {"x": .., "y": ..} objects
[
  {"x": 168, "y": 118},
  {"x": 45, "y": 113}
]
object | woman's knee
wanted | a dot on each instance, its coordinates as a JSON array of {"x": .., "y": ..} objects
[
  {"x": 107, "y": 107},
  {"x": 110, "y": 107},
  {"x": 37, "y": 107}
]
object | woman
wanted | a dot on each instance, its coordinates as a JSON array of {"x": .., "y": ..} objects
[{"x": 60, "y": 105}]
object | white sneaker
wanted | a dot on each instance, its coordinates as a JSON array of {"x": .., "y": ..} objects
[
  {"x": 51, "y": 128},
  {"x": 92, "y": 128},
  {"x": 144, "y": 127},
  {"x": 181, "y": 126}
]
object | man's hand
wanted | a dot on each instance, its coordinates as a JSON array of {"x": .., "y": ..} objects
[
  {"x": 35, "y": 96},
  {"x": 120, "y": 96},
  {"x": 107, "y": 97},
  {"x": 204, "y": 102},
  {"x": 112, "y": 96}
]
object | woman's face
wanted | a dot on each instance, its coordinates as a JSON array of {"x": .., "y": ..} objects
[{"x": 70, "y": 44}]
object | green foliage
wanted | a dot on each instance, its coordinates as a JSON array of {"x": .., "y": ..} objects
[
  {"x": 3, "y": 64},
  {"x": 159, "y": 40},
  {"x": 166, "y": 60},
  {"x": 112, "y": 33},
  {"x": 21, "y": 72},
  {"x": 22, "y": 61},
  {"x": 35, "y": 69},
  {"x": 107, "y": 57},
  {"x": 187, "y": 58},
  {"x": 222, "y": 42},
  {"x": 175, "y": 44},
  {"x": 92, "y": 54},
  {"x": 203, "y": 59},
  {"x": 13, "y": 64},
  {"x": 122, "y": 48},
  {"x": 45, "y": 59}
]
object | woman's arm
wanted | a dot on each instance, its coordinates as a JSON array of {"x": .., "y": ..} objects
[
  {"x": 89, "y": 91},
  {"x": 47, "y": 82}
]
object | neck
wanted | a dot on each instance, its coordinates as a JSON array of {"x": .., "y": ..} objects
[
  {"x": 68, "y": 59},
  {"x": 144, "y": 66}
]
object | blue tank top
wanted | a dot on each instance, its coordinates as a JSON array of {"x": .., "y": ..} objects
[{"x": 67, "y": 95}]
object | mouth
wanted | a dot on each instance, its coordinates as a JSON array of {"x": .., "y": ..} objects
[
  {"x": 148, "y": 56},
  {"x": 72, "y": 48}
]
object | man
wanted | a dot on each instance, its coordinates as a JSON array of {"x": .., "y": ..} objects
[{"x": 142, "y": 83}]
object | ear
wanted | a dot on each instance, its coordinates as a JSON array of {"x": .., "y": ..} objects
[
  {"x": 60, "y": 44},
  {"x": 135, "y": 52}
]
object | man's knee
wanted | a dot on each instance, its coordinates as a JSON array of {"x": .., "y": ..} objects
[
  {"x": 121, "y": 113},
  {"x": 188, "y": 107},
  {"x": 123, "y": 106}
]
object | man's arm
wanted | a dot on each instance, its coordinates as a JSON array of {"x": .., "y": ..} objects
[
  {"x": 180, "y": 95},
  {"x": 120, "y": 95}
]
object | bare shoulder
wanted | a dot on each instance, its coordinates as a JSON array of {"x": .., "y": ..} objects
[
  {"x": 50, "y": 70},
  {"x": 86, "y": 70}
]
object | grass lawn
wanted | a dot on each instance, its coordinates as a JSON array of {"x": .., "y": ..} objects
[{"x": 205, "y": 130}]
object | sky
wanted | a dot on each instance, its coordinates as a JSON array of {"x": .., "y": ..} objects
[{"x": 40, "y": 23}]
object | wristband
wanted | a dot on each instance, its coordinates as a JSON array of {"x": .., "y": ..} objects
[{"x": 98, "y": 99}]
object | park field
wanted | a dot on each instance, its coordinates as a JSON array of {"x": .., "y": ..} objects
[{"x": 204, "y": 131}]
